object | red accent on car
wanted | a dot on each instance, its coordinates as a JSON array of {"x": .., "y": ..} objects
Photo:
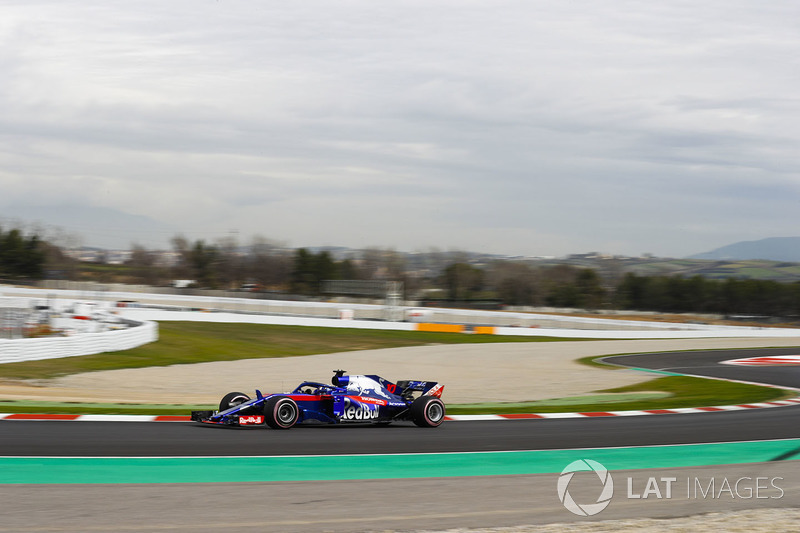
[
  {"x": 250, "y": 420},
  {"x": 366, "y": 399},
  {"x": 309, "y": 397},
  {"x": 436, "y": 391}
]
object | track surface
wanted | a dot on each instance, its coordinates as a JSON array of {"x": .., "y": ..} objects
[
  {"x": 707, "y": 363},
  {"x": 347, "y": 506},
  {"x": 183, "y": 439}
]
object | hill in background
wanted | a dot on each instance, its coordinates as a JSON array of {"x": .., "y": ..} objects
[{"x": 772, "y": 249}]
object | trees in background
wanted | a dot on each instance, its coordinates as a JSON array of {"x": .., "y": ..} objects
[
  {"x": 675, "y": 294},
  {"x": 227, "y": 265},
  {"x": 577, "y": 287},
  {"x": 268, "y": 265},
  {"x": 143, "y": 266},
  {"x": 310, "y": 270},
  {"x": 462, "y": 281},
  {"x": 520, "y": 284},
  {"x": 515, "y": 283},
  {"x": 21, "y": 257}
]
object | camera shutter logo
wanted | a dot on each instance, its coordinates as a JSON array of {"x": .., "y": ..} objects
[{"x": 586, "y": 509}]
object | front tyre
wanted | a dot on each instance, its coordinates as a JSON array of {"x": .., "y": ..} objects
[
  {"x": 427, "y": 411},
  {"x": 232, "y": 399},
  {"x": 281, "y": 412}
]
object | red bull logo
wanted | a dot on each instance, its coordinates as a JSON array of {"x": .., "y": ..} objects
[
  {"x": 355, "y": 410},
  {"x": 251, "y": 420}
]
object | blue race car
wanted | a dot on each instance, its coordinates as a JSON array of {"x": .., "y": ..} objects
[{"x": 349, "y": 399}]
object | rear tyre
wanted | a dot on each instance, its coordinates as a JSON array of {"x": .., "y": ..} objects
[
  {"x": 232, "y": 399},
  {"x": 427, "y": 411},
  {"x": 281, "y": 412}
]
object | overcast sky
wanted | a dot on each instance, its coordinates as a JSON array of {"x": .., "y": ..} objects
[{"x": 515, "y": 127}]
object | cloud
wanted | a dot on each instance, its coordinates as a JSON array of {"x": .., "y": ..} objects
[{"x": 452, "y": 124}]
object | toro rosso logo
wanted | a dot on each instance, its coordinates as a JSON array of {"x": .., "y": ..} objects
[
  {"x": 363, "y": 385},
  {"x": 251, "y": 419}
]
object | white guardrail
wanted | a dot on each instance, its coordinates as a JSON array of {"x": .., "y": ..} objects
[
  {"x": 17, "y": 350},
  {"x": 327, "y": 314}
]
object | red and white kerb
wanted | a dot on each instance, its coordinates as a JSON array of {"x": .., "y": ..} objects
[{"x": 772, "y": 360}]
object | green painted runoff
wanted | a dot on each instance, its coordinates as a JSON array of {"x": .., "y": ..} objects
[{"x": 88, "y": 470}]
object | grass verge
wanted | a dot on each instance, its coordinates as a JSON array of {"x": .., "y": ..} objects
[{"x": 80, "y": 408}]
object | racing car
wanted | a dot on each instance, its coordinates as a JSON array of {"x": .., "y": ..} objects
[{"x": 357, "y": 398}]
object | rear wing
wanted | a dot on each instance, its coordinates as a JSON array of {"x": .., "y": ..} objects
[
  {"x": 426, "y": 388},
  {"x": 407, "y": 388}
]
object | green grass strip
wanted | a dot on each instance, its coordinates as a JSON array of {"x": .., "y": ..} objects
[
  {"x": 76, "y": 470},
  {"x": 203, "y": 342},
  {"x": 76, "y": 408}
]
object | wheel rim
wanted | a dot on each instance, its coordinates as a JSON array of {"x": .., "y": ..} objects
[
  {"x": 435, "y": 411},
  {"x": 237, "y": 401},
  {"x": 286, "y": 413}
]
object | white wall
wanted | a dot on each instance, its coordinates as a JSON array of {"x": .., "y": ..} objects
[{"x": 16, "y": 350}]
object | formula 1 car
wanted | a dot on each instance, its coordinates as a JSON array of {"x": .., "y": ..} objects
[{"x": 351, "y": 399}]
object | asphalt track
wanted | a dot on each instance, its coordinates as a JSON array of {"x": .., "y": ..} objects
[
  {"x": 707, "y": 363},
  {"x": 166, "y": 439},
  {"x": 361, "y": 504}
]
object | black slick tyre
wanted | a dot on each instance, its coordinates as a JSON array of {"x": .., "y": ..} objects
[
  {"x": 281, "y": 412},
  {"x": 232, "y": 399},
  {"x": 427, "y": 411}
]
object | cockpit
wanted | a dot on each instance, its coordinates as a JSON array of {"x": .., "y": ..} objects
[{"x": 313, "y": 387}]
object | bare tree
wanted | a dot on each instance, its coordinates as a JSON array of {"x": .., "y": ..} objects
[
  {"x": 268, "y": 264},
  {"x": 230, "y": 263},
  {"x": 516, "y": 283},
  {"x": 143, "y": 265},
  {"x": 182, "y": 269}
]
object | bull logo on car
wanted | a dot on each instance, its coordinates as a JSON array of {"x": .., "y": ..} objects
[{"x": 363, "y": 385}]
